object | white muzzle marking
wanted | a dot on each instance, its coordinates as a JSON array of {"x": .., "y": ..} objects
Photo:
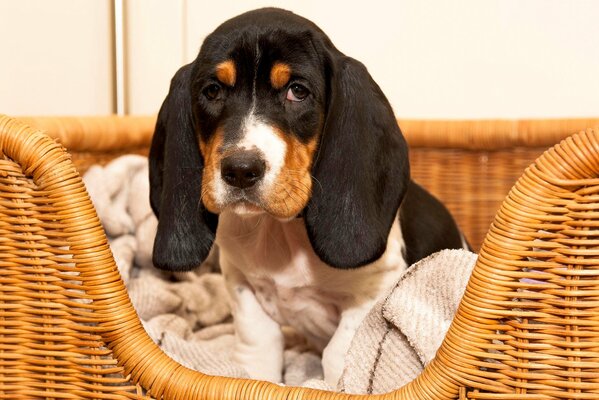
[{"x": 260, "y": 136}]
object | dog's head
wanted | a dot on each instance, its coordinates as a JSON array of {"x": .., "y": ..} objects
[{"x": 272, "y": 118}]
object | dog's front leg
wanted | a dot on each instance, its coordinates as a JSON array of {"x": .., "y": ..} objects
[
  {"x": 259, "y": 341},
  {"x": 333, "y": 356}
]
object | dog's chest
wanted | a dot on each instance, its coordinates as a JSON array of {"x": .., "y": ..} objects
[{"x": 289, "y": 280}]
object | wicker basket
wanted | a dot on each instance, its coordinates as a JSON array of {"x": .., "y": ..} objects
[{"x": 527, "y": 327}]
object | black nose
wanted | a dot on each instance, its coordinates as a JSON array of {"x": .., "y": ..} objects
[{"x": 242, "y": 169}]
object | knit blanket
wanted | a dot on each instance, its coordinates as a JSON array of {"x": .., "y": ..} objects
[{"x": 188, "y": 314}]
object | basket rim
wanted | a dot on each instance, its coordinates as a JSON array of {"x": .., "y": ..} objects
[{"x": 113, "y": 133}]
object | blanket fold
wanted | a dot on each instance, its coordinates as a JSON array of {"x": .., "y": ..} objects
[{"x": 402, "y": 332}]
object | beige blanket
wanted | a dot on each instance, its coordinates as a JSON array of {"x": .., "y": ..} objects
[{"x": 188, "y": 314}]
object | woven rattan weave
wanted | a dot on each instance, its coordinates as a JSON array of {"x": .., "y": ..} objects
[{"x": 527, "y": 327}]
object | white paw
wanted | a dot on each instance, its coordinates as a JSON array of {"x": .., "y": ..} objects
[{"x": 264, "y": 366}]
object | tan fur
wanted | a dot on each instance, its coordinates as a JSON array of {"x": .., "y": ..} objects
[
  {"x": 280, "y": 75},
  {"x": 293, "y": 186},
  {"x": 226, "y": 72},
  {"x": 211, "y": 152}
]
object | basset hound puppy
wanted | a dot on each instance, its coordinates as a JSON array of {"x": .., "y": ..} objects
[{"x": 285, "y": 153}]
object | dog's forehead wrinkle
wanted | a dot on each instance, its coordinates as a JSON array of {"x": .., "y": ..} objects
[{"x": 255, "y": 78}]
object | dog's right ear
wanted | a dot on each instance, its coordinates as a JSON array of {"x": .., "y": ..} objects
[{"x": 185, "y": 228}]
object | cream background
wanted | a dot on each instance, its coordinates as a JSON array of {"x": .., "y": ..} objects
[
  {"x": 433, "y": 58},
  {"x": 55, "y": 57}
]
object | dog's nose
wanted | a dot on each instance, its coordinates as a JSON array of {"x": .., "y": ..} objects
[{"x": 242, "y": 169}]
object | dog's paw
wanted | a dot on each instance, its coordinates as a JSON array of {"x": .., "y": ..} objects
[
  {"x": 332, "y": 366},
  {"x": 260, "y": 365}
]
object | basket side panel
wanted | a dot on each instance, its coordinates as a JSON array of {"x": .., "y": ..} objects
[
  {"x": 528, "y": 325},
  {"x": 471, "y": 183},
  {"x": 50, "y": 336}
]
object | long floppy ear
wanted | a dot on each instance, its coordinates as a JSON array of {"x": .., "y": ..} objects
[
  {"x": 361, "y": 171},
  {"x": 185, "y": 229}
]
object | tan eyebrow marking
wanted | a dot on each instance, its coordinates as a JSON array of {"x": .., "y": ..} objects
[
  {"x": 280, "y": 75},
  {"x": 226, "y": 72}
]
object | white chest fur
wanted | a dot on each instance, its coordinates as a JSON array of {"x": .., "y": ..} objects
[{"x": 275, "y": 260}]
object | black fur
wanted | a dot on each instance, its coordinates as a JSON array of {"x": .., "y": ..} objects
[
  {"x": 426, "y": 224},
  {"x": 255, "y": 40},
  {"x": 185, "y": 229},
  {"x": 360, "y": 171}
]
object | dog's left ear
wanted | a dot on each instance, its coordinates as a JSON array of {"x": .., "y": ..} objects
[
  {"x": 361, "y": 171},
  {"x": 186, "y": 229}
]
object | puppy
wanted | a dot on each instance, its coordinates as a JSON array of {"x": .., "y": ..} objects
[{"x": 285, "y": 152}]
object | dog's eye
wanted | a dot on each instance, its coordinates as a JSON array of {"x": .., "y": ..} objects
[
  {"x": 297, "y": 92},
  {"x": 212, "y": 91}
]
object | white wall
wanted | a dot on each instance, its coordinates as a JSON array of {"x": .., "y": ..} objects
[
  {"x": 508, "y": 58},
  {"x": 56, "y": 57},
  {"x": 433, "y": 58}
]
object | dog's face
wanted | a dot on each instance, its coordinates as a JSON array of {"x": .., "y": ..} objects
[
  {"x": 259, "y": 103},
  {"x": 271, "y": 117}
]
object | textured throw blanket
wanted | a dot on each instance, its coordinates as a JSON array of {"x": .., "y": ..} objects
[{"x": 188, "y": 314}]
